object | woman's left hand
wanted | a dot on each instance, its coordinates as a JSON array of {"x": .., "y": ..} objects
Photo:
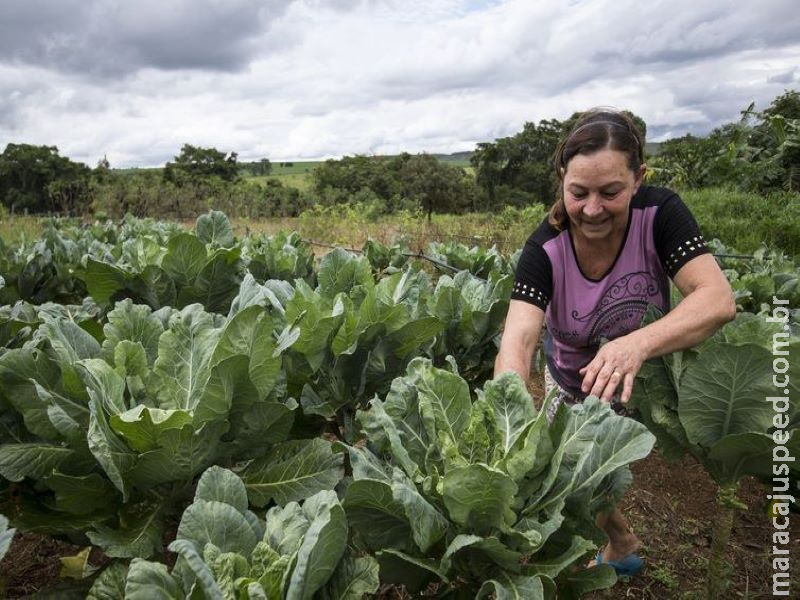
[{"x": 617, "y": 362}]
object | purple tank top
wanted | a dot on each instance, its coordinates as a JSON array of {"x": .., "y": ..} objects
[{"x": 582, "y": 311}]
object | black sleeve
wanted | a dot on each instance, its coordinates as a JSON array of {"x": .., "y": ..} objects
[
  {"x": 677, "y": 236},
  {"x": 534, "y": 277}
]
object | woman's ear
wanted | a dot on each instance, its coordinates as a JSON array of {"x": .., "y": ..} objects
[{"x": 639, "y": 177}]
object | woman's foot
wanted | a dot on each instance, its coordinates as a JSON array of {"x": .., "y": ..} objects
[
  {"x": 618, "y": 549},
  {"x": 629, "y": 566}
]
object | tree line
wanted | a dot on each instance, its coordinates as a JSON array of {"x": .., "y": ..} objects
[{"x": 759, "y": 153}]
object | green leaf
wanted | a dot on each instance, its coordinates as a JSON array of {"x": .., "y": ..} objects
[
  {"x": 185, "y": 257},
  {"x": 82, "y": 495},
  {"x": 211, "y": 522},
  {"x": 292, "y": 471},
  {"x": 393, "y": 514},
  {"x": 257, "y": 427},
  {"x": 316, "y": 318},
  {"x": 401, "y": 569},
  {"x": 103, "y": 384},
  {"x": 111, "y": 452},
  {"x": 135, "y": 323},
  {"x": 110, "y": 584},
  {"x": 6, "y": 536},
  {"x": 619, "y": 441},
  {"x": 354, "y": 578},
  {"x": 249, "y": 333},
  {"x": 323, "y": 545},
  {"x": 31, "y": 515},
  {"x": 741, "y": 454},
  {"x": 390, "y": 434},
  {"x": 142, "y": 427},
  {"x": 655, "y": 398},
  {"x": 444, "y": 401},
  {"x": 510, "y": 587},
  {"x": 183, "y": 366},
  {"x": 34, "y": 460},
  {"x": 377, "y": 517},
  {"x": 188, "y": 552},
  {"x": 19, "y": 369},
  {"x": 140, "y": 532},
  {"x": 154, "y": 286},
  {"x": 103, "y": 280},
  {"x": 130, "y": 360},
  {"x": 723, "y": 393},
  {"x": 229, "y": 568},
  {"x": 216, "y": 284},
  {"x": 341, "y": 271},
  {"x": 184, "y": 373},
  {"x": 267, "y": 564},
  {"x": 414, "y": 335},
  {"x": 221, "y": 485},
  {"x": 215, "y": 229},
  {"x": 479, "y": 497},
  {"x": 469, "y": 553},
  {"x": 182, "y": 455},
  {"x": 575, "y": 584},
  {"x": 554, "y": 565},
  {"x": 150, "y": 581},
  {"x": 513, "y": 408},
  {"x": 70, "y": 342}
]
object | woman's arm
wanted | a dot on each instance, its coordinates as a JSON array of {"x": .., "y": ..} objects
[
  {"x": 707, "y": 305},
  {"x": 520, "y": 336}
]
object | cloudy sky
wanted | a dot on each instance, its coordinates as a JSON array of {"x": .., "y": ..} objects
[{"x": 309, "y": 79}]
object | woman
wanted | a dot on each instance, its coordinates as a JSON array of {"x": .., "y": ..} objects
[{"x": 589, "y": 271}]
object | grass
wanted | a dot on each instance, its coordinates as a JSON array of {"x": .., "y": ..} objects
[
  {"x": 301, "y": 181},
  {"x": 305, "y": 167},
  {"x": 13, "y": 229},
  {"x": 746, "y": 221}
]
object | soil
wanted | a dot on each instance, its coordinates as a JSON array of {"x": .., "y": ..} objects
[{"x": 670, "y": 506}]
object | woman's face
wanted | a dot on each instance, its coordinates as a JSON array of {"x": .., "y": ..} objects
[{"x": 597, "y": 192}]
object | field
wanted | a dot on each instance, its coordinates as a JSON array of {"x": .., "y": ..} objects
[
  {"x": 293, "y": 174},
  {"x": 137, "y": 358}
]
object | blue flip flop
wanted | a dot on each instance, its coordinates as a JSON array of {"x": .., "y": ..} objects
[{"x": 625, "y": 567}]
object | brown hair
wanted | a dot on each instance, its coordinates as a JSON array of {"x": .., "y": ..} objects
[{"x": 596, "y": 129}]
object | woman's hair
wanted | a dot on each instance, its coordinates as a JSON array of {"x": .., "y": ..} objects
[{"x": 596, "y": 129}]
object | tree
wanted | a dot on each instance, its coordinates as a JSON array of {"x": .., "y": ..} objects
[
  {"x": 437, "y": 186},
  {"x": 264, "y": 167},
  {"x": 102, "y": 172},
  {"x": 786, "y": 105},
  {"x": 519, "y": 169},
  {"x": 37, "y": 179},
  {"x": 194, "y": 164}
]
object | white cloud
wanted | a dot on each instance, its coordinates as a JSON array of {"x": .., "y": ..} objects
[{"x": 320, "y": 78}]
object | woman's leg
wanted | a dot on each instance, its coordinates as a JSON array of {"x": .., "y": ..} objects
[{"x": 621, "y": 539}]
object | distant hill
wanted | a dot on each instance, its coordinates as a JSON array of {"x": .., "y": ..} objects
[
  {"x": 460, "y": 159},
  {"x": 300, "y": 167}
]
